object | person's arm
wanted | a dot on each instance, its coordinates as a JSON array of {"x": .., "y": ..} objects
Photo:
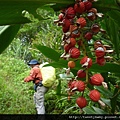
[{"x": 31, "y": 77}]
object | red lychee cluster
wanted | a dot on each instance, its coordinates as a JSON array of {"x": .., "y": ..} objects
[
  {"x": 79, "y": 85},
  {"x": 79, "y": 26},
  {"x": 100, "y": 52}
]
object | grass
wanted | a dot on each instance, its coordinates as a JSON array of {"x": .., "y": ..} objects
[{"x": 16, "y": 97}]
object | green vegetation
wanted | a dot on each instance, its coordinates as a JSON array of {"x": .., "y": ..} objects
[
  {"x": 15, "y": 96},
  {"x": 28, "y": 32}
]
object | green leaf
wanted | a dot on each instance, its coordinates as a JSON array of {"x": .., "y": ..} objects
[
  {"x": 112, "y": 80},
  {"x": 114, "y": 15},
  {"x": 114, "y": 100},
  {"x": 106, "y": 5},
  {"x": 114, "y": 35},
  {"x": 118, "y": 2},
  {"x": 106, "y": 101},
  {"x": 98, "y": 110},
  {"x": 106, "y": 24},
  {"x": 68, "y": 109},
  {"x": 59, "y": 64},
  {"x": 60, "y": 6},
  {"x": 106, "y": 92},
  {"x": 105, "y": 76},
  {"x": 11, "y": 11},
  {"x": 108, "y": 67},
  {"x": 89, "y": 110},
  {"x": 48, "y": 52},
  {"x": 58, "y": 89},
  {"x": 7, "y": 34}
]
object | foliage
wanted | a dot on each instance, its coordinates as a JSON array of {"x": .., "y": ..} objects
[
  {"x": 7, "y": 31},
  {"x": 14, "y": 94},
  {"x": 16, "y": 97},
  {"x": 21, "y": 12},
  {"x": 48, "y": 38}
]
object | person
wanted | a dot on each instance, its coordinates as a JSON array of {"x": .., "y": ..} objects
[{"x": 40, "y": 90}]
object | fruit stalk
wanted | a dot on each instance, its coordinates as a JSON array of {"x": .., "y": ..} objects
[{"x": 85, "y": 54}]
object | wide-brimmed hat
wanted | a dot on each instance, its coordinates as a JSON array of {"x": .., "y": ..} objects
[{"x": 33, "y": 62}]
